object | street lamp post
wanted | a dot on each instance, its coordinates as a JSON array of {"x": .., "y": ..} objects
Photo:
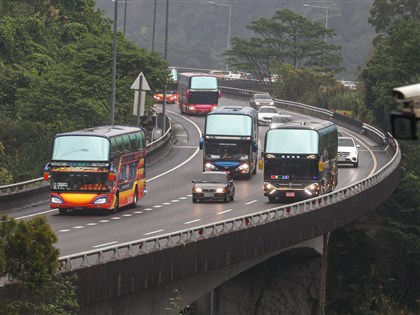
[
  {"x": 326, "y": 15},
  {"x": 114, "y": 63},
  {"x": 229, "y": 26}
]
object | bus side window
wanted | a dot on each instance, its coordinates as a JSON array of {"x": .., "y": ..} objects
[
  {"x": 140, "y": 139},
  {"x": 133, "y": 141},
  {"x": 126, "y": 143},
  {"x": 114, "y": 149},
  {"x": 120, "y": 144}
]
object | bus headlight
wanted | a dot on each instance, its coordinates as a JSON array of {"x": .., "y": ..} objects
[
  {"x": 312, "y": 189},
  {"x": 57, "y": 200},
  {"x": 244, "y": 168},
  {"x": 209, "y": 167},
  {"x": 191, "y": 107},
  {"x": 270, "y": 188},
  {"x": 100, "y": 200}
]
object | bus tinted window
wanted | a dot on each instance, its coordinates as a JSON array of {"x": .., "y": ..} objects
[
  {"x": 280, "y": 141},
  {"x": 127, "y": 146},
  {"x": 232, "y": 125},
  {"x": 120, "y": 144},
  {"x": 203, "y": 82},
  {"x": 81, "y": 148}
]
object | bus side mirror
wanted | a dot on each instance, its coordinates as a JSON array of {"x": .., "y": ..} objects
[
  {"x": 111, "y": 176},
  {"x": 320, "y": 166},
  {"x": 46, "y": 175},
  {"x": 260, "y": 164},
  {"x": 254, "y": 147},
  {"x": 201, "y": 143}
]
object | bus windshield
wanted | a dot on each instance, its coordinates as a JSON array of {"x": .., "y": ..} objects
[
  {"x": 223, "y": 149},
  {"x": 229, "y": 125},
  {"x": 204, "y": 83},
  {"x": 291, "y": 141},
  {"x": 81, "y": 148}
]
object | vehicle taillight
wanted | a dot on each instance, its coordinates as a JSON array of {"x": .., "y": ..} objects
[
  {"x": 188, "y": 93},
  {"x": 219, "y": 94},
  {"x": 46, "y": 175}
]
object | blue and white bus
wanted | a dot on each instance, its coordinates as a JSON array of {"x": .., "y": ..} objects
[
  {"x": 230, "y": 141},
  {"x": 300, "y": 160}
]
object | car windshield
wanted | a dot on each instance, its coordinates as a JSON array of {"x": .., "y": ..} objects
[
  {"x": 345, "y": 142},
  {"x": 212, "y": 178},
  {"x": 268, "y": 110},
  {"x": 263, "y": 96}
]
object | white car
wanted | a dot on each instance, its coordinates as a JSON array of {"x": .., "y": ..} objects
[
  {"x": 280, "y": 119},
  {"x": 265, "y": 113},
  {"x": 348, "y": 151}
]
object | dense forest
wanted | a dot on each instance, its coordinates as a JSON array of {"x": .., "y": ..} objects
[{"x": 55, "y": 76}]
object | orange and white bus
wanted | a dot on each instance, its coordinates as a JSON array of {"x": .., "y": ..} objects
[
  {"x": 198, "y": 93},
  {"x": 97, "y": 168},
  {"x": 171, "y": 89}
]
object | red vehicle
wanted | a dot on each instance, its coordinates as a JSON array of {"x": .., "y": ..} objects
[
  {"x": 198, "y": 93},
  {"x": 97, "y": 168}
]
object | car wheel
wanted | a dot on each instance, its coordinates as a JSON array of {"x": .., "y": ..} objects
[
  {"x": 232, "y": 198},
  {"x": 356, "y": 164},
  {"x": 63, "y": 210},
  {"x": 254, "y": 171},
  {"x": 135, "y": 199},
  {"x": 272, "y": 199},
  {"x": 226, "y": 198},
  {"x": 194, "y": 200}
]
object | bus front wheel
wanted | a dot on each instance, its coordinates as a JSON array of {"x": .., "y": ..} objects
[
  {"x": 63, "y": 210},
  {"x": 117, "y": 204},
  {"x": 135, "y": 198}
]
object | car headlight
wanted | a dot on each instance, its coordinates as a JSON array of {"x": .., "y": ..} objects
[
  {"x": 257, "y": 103},
  {"x": 312, "y": 189},
  {"x": 272, "y": 103},
  {"x": 101, "y": 200},
  {"x": 209, "y": 167},
  {"x": 198, "y": 189},
  {"x": 56, "y": 200},
  {"x": 220, "y": 190},
  {"x": 243, "y": 168}
]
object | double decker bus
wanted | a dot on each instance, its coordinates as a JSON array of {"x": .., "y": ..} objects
[
  {"x": 300, "y": 160},
  {"x": 230, "y": 141},
  {"x": 97, "y": 168},
  {"x": 198, "y": 93},
  {"x": 171, "y": 89}
]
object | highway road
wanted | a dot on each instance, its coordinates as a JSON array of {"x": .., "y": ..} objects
[{"x": 167, "y": 206}]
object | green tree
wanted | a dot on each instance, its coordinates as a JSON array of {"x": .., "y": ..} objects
[
  {"x": 28, "y": 255},
  {"x": 5, "y": 177},
  {"x": 286, "y": 38}
]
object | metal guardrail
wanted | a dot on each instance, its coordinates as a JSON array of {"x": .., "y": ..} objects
[
  {"x": 37, "y": 183},
  {"x": 179, "y": 238}
]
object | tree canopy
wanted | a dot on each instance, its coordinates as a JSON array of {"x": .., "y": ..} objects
[{"x": 286, "y": 38}]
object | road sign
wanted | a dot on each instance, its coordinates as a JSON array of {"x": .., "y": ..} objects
[{"x": 140, "y": 84}]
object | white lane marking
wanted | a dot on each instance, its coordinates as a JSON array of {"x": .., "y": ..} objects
[
  {"x": 127, "y": 215},
  {"x": 148, "y": 209},
  {"x": 116, "y": 218},
  {"x": 183, "y": 198},
  {"x": 189, "y": 195},
  {"x": 92, "y": 224},
  {"x": 105, "y": 244},
  {"x": 78, "y": 227},
  {"x": 138, "y": 212},
  {"x": 64, "y": 231},
  {"x": 104, "y": 221},
  {"x": 175, "y": 200},
  {"x": 35, "y": 214},
  {"x": 187, "y": 160},
  {"x": 157, "y": 206},
  {"x": 166, "y": 203},
  {"x": 154, "y": 232},
  {"x": 251, "y": 202},
  {"x": 189, "y": 222},
  {"x": 185, "y": 146},
  {"x": 228, "y": 210}
]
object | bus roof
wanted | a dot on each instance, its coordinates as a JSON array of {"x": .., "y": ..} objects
[
  {"x": 306, "y": 124},
  {"x": 102, "y": 131},
  {"x": 195, "y": 74},
  {"x": 234, "y": 110}
]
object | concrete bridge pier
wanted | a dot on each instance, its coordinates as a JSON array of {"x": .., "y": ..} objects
[{"x": 290, "y": 283}]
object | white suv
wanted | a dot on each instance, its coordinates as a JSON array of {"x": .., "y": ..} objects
[{"x": 348, "y": 151}]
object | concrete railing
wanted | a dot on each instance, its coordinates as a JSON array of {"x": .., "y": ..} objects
[{"x": 182, "y": 237}]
